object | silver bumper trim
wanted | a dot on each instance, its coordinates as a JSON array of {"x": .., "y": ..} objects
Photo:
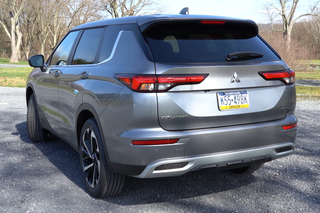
[{"x": 214, "y": 160}]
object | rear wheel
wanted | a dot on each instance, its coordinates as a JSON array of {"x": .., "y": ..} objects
[
  {"x": 247, "y": 169},
  {"x": 35, "y": 132},
  {"x": 99, "y": 179}
]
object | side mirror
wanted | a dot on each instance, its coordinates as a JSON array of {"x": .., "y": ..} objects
[{"x": 37, "y": 61}]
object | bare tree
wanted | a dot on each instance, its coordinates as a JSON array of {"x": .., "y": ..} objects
[
  {"x": 56, "y": 26},
  {"x": 286, "y": 10},
  {"x": 82, "y": 11},
  {"x": 122, "y": 8},
  {"x": 313, "y": 30},
  {"x": 37, "y": 25},
  {"x": 10, "y": 12},
  {"x": 29, "y": 29},
  {"x": 60, "y": 16},
  {"x": 308, "y": 33}
]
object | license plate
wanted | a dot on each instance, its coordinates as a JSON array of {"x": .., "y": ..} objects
[{"x": 233, "y": 100}]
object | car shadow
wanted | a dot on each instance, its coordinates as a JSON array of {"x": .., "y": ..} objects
[
  {"x": 140, "y": 191},
  {"x": 170, "y": 189},
  {"x": 58, "y": 152}
]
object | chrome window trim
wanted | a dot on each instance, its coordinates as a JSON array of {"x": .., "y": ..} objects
[
  {"x": 106, "y": 60},
  {"x": 113, "y": 49}
]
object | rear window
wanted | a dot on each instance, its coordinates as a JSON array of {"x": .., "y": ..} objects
[{"x": 193, "y": 42}]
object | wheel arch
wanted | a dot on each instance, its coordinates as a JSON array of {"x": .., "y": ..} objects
[
  {"x": 29, "y": 92},
  {"x": 85, "y": 112}
]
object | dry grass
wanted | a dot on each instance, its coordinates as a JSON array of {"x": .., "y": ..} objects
[
  {"x": 14, "y": 77},
  {"x": 308, "y": 91},
  {"x": 12, "y": 82}
]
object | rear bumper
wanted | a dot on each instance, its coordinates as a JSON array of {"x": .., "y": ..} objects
[
  {"x": 196, "y": 149},
  {"x": 165, "y": 168}
]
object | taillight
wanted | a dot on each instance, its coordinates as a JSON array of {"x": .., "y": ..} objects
[
  {"x": 157, "y": 83},
  {"x": 212, "y": 22},
  {"x": 155, "y": 142},
  {"x": 286, "y": 76},
  {"x": 290, "y": 126}
]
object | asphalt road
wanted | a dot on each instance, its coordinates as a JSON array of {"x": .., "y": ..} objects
[
  {"x": 45, "y": 177},
  {"x": 313, "y": 83},
  {"x": 12, "y": 65}
]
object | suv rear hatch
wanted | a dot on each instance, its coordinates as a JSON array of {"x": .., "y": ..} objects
[{"x": 230, "y": 57}]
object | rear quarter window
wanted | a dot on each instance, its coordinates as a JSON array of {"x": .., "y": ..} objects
[
  {"x": 88, "y": 46},
  {"x": 108, "y": 42},
  {"x": 193, "y": 42}
]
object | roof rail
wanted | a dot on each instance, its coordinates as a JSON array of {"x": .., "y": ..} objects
[{"x": 185, "y": 11}]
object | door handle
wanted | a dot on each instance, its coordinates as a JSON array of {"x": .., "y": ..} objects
[
  {"x": 56, "y": 73},
  {"x": 84, "y": 75}
]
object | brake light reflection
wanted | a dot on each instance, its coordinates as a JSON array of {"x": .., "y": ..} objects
[
  {"x": 212, "y": 22},
  {"x": 155, "y": 142},
  {"x": 290, "y": 126}
]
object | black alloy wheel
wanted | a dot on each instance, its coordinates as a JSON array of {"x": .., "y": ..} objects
[
  {"x": 100, "y": 180},
  {"x": 90, "y": 157}
]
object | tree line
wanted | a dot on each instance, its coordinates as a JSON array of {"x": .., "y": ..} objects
[
  {"x": 36, "y": 26},
  {"x": 294, "y": 36},
  {"x": 29, "y": 27}
]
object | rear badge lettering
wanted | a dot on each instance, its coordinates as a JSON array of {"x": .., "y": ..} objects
[{"x": 173, "y": 116}]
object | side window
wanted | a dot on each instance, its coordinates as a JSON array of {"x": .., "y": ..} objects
[
  {"x": 61, "y": 54},
  {"x": 88, "y": 46},
  {"x": 108, "y": 42}
]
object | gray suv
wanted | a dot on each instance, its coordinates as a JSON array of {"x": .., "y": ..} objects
[{"x": 163, "y": 95}]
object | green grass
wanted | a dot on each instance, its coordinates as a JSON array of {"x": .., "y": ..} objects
[
  {"x": 7, "y": 61},
  {"x": 14, "y": 77},
  {"x": 15, "y": 72},
  {"x": 308, "y": 91},
  {"x": 314, "y": 61},
  {"x": 308, "y": 75}
]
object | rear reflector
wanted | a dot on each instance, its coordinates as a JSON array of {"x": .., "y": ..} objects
[
  {"x": 286, "y": 76},
  {"x": 155, "y": 142},
  {"x": 157, "y": 83},
  {"x": 290, "y": 126},
  {"x": 212, "y": 22}
]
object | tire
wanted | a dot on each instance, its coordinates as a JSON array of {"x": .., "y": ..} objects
[
  {"x": 35, "y": 132},
  {"x": 100, "y": 181},
  {"x": 248, "y": 169}
]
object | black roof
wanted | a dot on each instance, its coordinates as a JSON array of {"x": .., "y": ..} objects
[{"x": 140, "y": 20}]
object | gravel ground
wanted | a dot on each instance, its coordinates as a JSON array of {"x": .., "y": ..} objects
[
  {"x": 45, "y": 177},
  {"x": 313, "y": 83},
  {"x": 12, "y": 65}
]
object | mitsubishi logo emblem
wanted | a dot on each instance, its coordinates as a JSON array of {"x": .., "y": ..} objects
[{"x": 235, "y": 78}]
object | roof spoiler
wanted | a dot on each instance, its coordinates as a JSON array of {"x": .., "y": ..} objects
[{"x": 185, "y": 11}]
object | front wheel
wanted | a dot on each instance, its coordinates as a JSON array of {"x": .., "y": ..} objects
[
  {"x": 35, "y": 131},
  {"x": 99, "y": 179}
]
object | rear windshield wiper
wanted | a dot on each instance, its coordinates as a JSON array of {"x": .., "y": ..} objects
[{"x": 240, "y": 56}]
